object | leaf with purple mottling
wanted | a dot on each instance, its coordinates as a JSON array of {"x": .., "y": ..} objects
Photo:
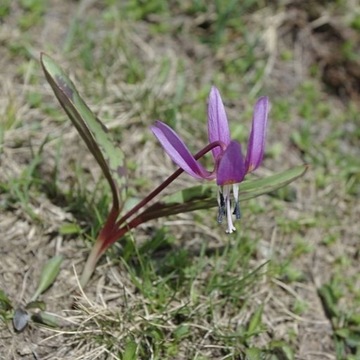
[{"x": 110, "y": 158}]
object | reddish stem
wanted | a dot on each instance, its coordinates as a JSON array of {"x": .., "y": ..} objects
[
  {"x": 110, "y": 224},
  {"x": 166, "y": 183},
  {"x": 138, "y": 219},
  {"x": 111, "y": 232}
]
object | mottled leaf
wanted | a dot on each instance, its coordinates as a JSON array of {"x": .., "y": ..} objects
[
  {"x": 204, "y": 196},
  {"x": 48, "y": 275},
  {"x": 110, "y": 158}
]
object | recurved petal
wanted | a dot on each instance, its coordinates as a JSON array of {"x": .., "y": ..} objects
[
  {"x": 218, "y": 128},
  {"x": 178, "y": 151},
  {"x": 256, "y": 144},
  {"x": 231, "y": 167}
]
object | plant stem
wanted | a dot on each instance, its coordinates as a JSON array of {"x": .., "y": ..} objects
[
  {"x": 138, "y": 219},
  {"x": 91, "y": 262},
  {"x": 166, "y": 183},
  {"x": 110, "y": 224},
  {"x": 111, "y": 232}
]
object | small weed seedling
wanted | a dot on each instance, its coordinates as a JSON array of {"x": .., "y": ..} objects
[{"x": 34, "y": 310}]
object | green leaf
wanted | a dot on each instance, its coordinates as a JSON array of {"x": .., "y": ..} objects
[
  {"x": 181, "y": 332},
  {"x": 204, "y": 196},
  {"x": 45, "y": 318},
  {"x": 110, "y": 158},
  {"x": 355, "y": 319},
  {"x": 5, "y": 303},
  {"x": 130, "y": 351},
  {"x": 255, "y": 354},
  {"x": 36, "y": 305},
  {"x": 329, "y": 301},
  {"x": 48, "y": 275},
  {"x": 255, "y": 321},
  {"x": 69, "y": 229},
  {"x": 281, "y": 350}
]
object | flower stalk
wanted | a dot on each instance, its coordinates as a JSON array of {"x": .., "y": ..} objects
[{"x": 115, "y": 228}]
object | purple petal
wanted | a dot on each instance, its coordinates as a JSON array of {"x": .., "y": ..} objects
[
  {"x": 178, "y": 151},
  {"x": 218, "y": 128},
  {"x": 256, "y": 145},
  {"x": 231, "y": 167}
]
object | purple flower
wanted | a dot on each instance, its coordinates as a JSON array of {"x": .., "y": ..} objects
[{"x": 230, "y": 166}]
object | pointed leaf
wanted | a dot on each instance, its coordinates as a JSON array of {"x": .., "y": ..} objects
[
  {"x": 329, "y": 301},
  {"x": 110, "y": 158},
  {"x": 254, "y": 325},
  {"x": 48, "y": 275},
  {"x": 204, "y": 196}
]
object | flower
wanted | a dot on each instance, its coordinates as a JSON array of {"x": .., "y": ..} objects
[{"x": 230, "y": 166}]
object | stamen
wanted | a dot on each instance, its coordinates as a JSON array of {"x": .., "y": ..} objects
[
  {"x": 225, "y": 204},
  {"x": 237, "y": 211},
  {"x": 231, "y": 227},
  {"x": 221, "y": 203}
]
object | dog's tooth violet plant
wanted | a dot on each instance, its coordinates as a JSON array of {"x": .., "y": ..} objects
[{"x": 230, "y": 166}]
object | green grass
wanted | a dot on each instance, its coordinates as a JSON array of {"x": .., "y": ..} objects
[
  {"x": 180, "y": 288},
  {"x": 183, "y": 294}
]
